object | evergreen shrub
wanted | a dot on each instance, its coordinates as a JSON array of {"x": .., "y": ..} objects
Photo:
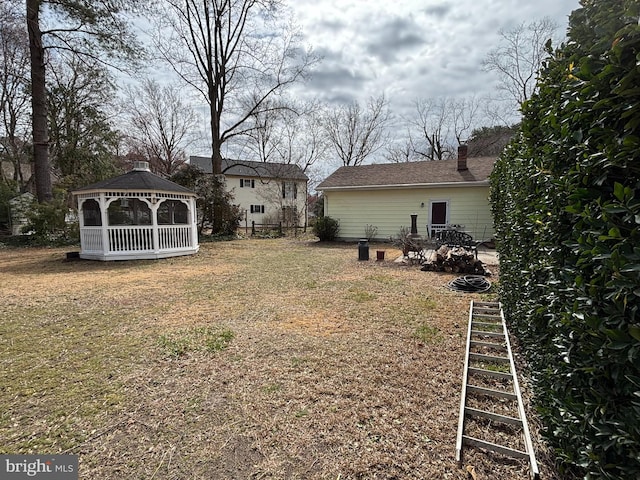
[
  {"x": 326, "y": 229},
  {"x": 566, "y": 205}
]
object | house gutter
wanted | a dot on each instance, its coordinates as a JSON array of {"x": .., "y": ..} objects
[{"x": 482, "y": 183}]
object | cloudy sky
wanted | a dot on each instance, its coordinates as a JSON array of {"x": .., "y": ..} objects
[
  {"x": 410, "y": 49},
  {"x": 407, "y": 49}
]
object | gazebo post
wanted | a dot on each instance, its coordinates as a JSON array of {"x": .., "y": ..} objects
[
  {"x": 154, "y": 225},
  {"x": 104, "y": 216},
  {"x": 194, "y": 221}
]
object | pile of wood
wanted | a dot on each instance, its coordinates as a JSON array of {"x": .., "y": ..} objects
[{"x": 455, "y": 260}]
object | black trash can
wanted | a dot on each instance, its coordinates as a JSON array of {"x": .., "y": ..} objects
[{"x": 363, "y": 249}]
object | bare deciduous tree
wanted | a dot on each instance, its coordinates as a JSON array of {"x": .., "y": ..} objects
[
  {"x": 443, "y": 124},
  {"x": 161, "y": 124},
  {"x": 84, "y": 28},
  {"x": 464, "y": 113},
  {"x": 519, "y": 56},
  {"x": 403, "y": 149},
  {"x": 290, "y": 133},
  {"x": 355, "y": 132},
  {"x": 263, "y": 130},
  {"x": 14, "y": 94},
  {"x": 236, "y": 54},
  {"x": 433, "y": 120},
  {"x": 303, "y": 141}
]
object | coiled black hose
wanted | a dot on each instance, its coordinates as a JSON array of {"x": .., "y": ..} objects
[{"x": 470, "y": 284}]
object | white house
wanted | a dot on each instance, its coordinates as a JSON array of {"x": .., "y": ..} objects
[
  {"x": 266, "y": 192},
  {"x": 442, "y": 194}
]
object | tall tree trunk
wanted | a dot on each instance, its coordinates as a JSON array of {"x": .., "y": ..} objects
[
  {"x": 216, "y": 144},
  {"x": 39, "y": 105},
  {"x": 216, "y": 169}
]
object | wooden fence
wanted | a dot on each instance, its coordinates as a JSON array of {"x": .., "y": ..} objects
[{"x": 278, "y": 227}]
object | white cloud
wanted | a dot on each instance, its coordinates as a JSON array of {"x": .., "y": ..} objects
[{"x": 410, "y": 49}]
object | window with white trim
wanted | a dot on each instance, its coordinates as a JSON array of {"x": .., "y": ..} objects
[
  {"x": 257, "y": 208},
  {"x": 247, "y": 183}
]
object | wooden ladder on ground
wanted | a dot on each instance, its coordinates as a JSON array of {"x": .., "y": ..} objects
[{"x": 491, "y": 408}]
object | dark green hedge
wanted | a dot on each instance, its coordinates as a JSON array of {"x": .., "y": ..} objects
[{"x": 565, "y": 198}]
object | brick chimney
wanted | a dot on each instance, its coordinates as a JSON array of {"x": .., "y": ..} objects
[{"x": 462, "y": 157}]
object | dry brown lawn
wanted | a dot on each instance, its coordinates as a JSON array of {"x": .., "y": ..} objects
[{"x": 283, "y": 359}]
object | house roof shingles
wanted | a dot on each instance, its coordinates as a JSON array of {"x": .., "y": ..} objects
[
  {"x": 409, "y": 174},
  {"x": 246, "y": 168}
]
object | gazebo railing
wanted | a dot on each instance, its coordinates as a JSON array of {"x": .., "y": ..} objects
[
  {"x": 137, "y": 238},
  {"x": 91, "y": 239},
  {"x": 173, "y": 237},
  {"x": 130, "y": 238}
]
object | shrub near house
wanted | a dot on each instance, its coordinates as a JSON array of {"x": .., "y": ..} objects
[{"x": 326, "y": 229}]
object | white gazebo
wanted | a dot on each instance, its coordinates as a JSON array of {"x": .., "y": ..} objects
[{"x": 138, "y": 215}]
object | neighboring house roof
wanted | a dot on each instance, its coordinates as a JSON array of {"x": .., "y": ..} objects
[
  {"x": 137, "y": 179},
  {"x": 246, "y": 168},
  {"x": 410, "y": 174}
]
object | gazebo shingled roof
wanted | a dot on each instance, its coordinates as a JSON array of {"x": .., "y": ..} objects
[{"x": 137, "y": 180}]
